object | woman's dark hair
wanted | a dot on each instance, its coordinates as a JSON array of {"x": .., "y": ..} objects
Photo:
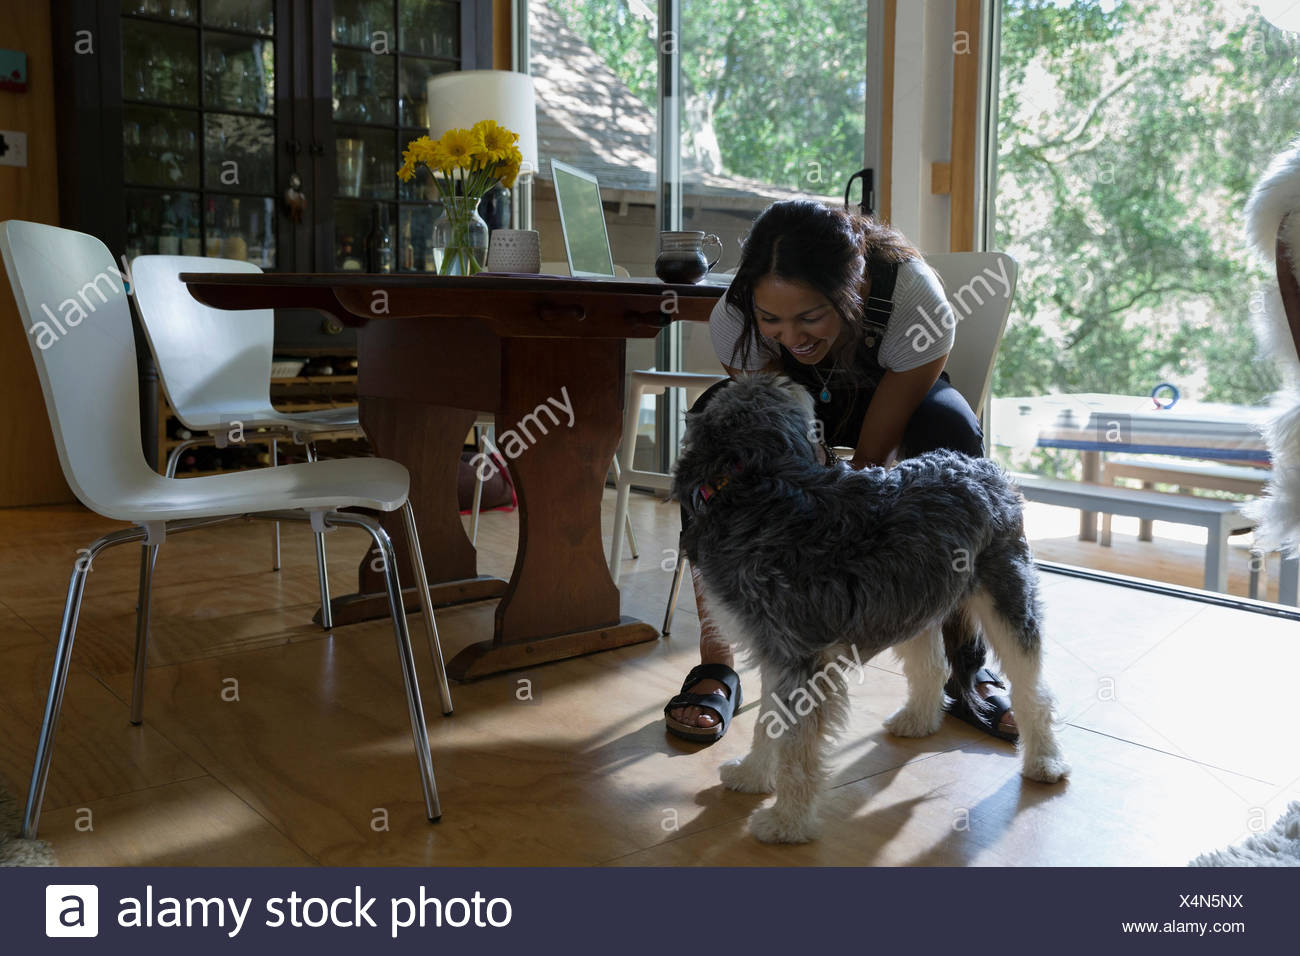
[{"x": 827, "y": 248}]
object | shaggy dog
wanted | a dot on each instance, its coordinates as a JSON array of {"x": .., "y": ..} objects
[{"x": 800, "y": 562}]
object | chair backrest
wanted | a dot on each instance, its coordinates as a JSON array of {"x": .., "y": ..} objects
[
  {"x": 980, "y": 287},
  {"x": 72, "y": 300},
  {"x": 212, "y": 362}
]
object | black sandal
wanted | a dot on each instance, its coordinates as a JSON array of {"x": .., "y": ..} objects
[
  {"x": 724, "y": 706},
  {"x": 988, "y": 718}
]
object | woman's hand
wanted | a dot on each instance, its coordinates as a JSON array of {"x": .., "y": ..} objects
[{"x": 895, "y": 400}]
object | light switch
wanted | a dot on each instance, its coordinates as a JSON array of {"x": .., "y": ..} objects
[{"x": 13, "y": 148}]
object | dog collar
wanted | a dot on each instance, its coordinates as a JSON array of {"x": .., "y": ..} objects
[{"x": 707, "y": 490}]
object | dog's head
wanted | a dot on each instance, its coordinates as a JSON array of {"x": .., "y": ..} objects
[{"x": 761, "y": 425}]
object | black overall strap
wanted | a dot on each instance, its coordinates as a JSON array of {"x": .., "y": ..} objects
[{"x": 880, "y": 300}]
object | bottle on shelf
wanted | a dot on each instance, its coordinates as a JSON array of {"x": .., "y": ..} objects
[
  {"x": 430, "y": 261},
  {"x": 235, "y": 246},
  {"x": 211, "y": 233},
  {"x": 408, "y": 249},
  {"x": 256, "y": 251},
  {"x": 349, "y": 261},
  {"x": 169, "y": 243},
  {"x": 379, "y": 244},
  {"x": 134, "y": 241}
]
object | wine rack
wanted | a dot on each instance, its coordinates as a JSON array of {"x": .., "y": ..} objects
[{"x": 301, "y": 393}]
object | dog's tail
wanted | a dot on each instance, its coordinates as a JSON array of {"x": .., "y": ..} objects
[{"x": 965, "y": 651}]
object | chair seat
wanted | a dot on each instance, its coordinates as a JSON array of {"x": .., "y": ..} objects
[
  {"x": 375, "y": 483},
  {"x": 265, "y": 416}
]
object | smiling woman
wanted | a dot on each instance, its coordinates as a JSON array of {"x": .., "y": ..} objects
[{"x": 827, "y": 298}]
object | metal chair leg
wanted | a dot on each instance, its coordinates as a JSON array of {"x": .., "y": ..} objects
[
  {"x": 678, "y": 574},
  {"x": 148, "y": 558},
  {"x": 396, "y": 606},
  {"x": 478, "y": 488},
  {"x": 322, "y": 567},
  {"x": 59, "y": 674},
  {"x": 426, "y": 606},
  {"x": 174, "y": 458},
  {"x": 275, "y": 525}
]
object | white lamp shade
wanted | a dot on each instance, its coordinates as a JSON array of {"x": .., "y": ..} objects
[{"x": 459, "y": 100}]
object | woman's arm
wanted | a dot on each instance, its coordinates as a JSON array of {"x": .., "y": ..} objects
[{"x": 895, "y": 399}]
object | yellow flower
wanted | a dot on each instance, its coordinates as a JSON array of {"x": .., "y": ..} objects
[
  {"x": 497, "y": 139},
  {"x": 461, "y": 147},
  {"x": 509, "y": 169}
]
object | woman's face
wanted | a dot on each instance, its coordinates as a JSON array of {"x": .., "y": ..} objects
[{"x": 794, "y": 314}]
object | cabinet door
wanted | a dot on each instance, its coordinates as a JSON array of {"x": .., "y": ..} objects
[
  {"x": 204, "y": 91},
  {"x": 370, "y": 95}
]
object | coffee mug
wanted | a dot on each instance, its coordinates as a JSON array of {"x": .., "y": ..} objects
[
  {"x": 681, "y": 256},
  {"x": 514, "y": 250}
]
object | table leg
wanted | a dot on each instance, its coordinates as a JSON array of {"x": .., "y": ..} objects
[
  {"x": 559, "y": 423},
  {"x": 1091, "y": 473},
  {"x": 427, "y": 439}
]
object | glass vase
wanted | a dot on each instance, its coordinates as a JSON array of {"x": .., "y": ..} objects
[{"x": 460, "y": 237}]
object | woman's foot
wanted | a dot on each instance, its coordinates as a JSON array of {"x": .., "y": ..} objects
[
  {"x": 701, "y": 711},
  {"x": 996, "y": 718},
  {"x": 1007, "y": 724},
  {"x": 700, "y": 716}
]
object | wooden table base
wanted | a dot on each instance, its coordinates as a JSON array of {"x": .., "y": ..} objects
[
  {"x": 491, "y": 657},
  {"x": 352, "y": 608}
]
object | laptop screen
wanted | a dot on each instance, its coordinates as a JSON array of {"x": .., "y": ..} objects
[{"x": 583, "y": 220}]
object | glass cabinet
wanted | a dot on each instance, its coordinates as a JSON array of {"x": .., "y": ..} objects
[
  {"x": 378, "y": 105},
  {"x": 199, "y": 128},
  {"x": 263, "y": 130}
]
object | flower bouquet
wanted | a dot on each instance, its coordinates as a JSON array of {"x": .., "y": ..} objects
[{"x": 465, "y": 164}]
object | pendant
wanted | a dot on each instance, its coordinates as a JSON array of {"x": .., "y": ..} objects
[{"x": 825, "y": 396}]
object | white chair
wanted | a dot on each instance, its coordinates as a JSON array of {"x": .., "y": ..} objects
[
  {"x": 86, "y": 362},
  {"x": 639, "y": 384},
  {"x": 980, "y": 286},
  {"x": 215, "y": 367}
]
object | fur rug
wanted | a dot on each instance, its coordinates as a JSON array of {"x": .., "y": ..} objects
[
  {"x": 1280, "y": 846},
  {"x": 1278, "y": 510},
  {"x": 14, "y": 850}
]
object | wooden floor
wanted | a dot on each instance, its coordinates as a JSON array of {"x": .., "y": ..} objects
[{"x": 1178, "y": 718}]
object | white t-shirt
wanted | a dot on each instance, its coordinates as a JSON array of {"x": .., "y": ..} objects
[{"x": 921, "y": 327}]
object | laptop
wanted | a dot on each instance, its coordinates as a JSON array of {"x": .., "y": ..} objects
[
  {"x": 582, "y": 220},
  {"x": 586, "y": 240}
]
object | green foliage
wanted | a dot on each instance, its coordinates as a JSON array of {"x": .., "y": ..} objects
[
  {"x": 1129, "y": 138},
  {"x": 780, "y": 83}
]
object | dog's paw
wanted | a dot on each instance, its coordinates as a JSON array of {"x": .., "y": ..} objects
[
  {"x": 1046, "y": 769},
  {"x": 745, "y": 776},
  {"x": 908, "y": 722},
  {"x": 776, "y": 825}
]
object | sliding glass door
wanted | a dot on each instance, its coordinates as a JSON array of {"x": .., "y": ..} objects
[{"x": 1128, "y": 138}]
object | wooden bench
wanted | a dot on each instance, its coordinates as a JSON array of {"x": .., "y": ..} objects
[{"x": 1219, "y": 518}]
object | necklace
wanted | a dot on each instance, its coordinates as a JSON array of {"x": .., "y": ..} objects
[{"x": 825, "y": 395}]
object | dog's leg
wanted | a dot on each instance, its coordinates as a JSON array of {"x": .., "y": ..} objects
[
  {"x": 756, "y": 771},
  {"x": 1018, "y": 645},
  {"x": 926, "y": 670},
  {"x": 800, "y": 777}
]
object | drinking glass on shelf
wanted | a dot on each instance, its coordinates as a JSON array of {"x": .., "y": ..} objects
[{"x": 351, "y": 165}]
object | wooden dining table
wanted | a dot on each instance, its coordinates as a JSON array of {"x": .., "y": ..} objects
[{"x": 545, "y": 355}]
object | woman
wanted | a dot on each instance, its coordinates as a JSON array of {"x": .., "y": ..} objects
[{"x": 847, "y": 308}]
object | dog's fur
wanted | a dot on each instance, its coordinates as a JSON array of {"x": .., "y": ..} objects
[{"x": 800, "y": 562}]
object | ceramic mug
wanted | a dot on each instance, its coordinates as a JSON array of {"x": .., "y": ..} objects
[
  {"x": 514, "y": 250},
  {"x": 681, "y": 256}
]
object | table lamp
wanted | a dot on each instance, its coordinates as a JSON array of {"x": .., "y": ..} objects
[{"x": 462, "y": 98}]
